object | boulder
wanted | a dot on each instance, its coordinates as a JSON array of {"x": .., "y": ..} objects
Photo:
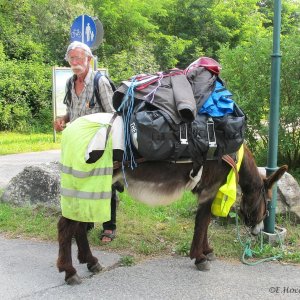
[
  {"x": 288, "y": 196},
  {"x": 35, "y": 185}
]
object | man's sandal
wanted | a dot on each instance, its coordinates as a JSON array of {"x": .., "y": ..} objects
[{"x": 107, "y": 233}]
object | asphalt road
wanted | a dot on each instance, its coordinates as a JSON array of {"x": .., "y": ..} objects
[{"x": 28, "y": 271}]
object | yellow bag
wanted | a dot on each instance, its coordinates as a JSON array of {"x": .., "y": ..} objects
[{"x": 226, "y": 195}]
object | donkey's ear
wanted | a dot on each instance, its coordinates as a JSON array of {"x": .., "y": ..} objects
[{"x": 275, "y": 176}]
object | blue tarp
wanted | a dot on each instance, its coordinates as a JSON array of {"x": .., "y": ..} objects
[{"x": 219, "y": 103}]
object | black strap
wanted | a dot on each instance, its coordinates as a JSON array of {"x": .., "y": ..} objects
[
  {"x": 68, "y": 95},
  {"x": 96, "y": 92},
  {"x": 109, "y": 126}
]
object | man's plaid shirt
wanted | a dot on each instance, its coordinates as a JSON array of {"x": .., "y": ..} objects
[{"x": 79, "y": 105}]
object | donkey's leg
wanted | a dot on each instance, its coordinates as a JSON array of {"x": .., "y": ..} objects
[
  {"x": 200, "y": 247},
  {"x": 207, "y": 250},
  {"x": 84, "y": 251},
  {"x": 66, "y": 230}
]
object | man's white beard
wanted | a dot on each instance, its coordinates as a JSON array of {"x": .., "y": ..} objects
[
  {"x": 77, "y": 69},
  {"x": 80, "y": 68}
]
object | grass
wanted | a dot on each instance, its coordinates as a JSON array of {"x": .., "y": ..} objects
[
  {"x": 12, "y": 142},
  {"x": 145, "y": 230},
  {"x": 142, "y": 231},
  {"x": 27, "y": 222}
]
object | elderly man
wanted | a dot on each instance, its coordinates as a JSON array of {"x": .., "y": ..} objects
[
  {"x": 79, "y": 56},
  {"x": 79, "y": 95}
]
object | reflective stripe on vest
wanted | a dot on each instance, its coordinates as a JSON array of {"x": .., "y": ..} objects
[
  {"x": 80, "y": 174},
  {"x": 226, "y": 195},
  {"x": 85, "y": 195},
  {"x": 85, "y": 188}
]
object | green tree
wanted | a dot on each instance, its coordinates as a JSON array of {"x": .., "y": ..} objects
[
  {"x": 125, "y": 64},
  {"x": 52, "y": 22},
  {"x": 130, "y": 23},
  {"x": 290, "y": 14},
  {"x": 33, "y": 36},
  {"x": 246, "y": 70},
  {"x": 37, "y": 30},
  {"x": 15, "y": 22},
  {"x": 140, "y": 36},
  {"x": 290, "y": 101},
  {"x": 190, "y": 21},
  {"x": 209, "y": 24}
]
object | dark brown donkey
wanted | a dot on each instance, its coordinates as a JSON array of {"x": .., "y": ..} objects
[{"x": 164, "y": 182}]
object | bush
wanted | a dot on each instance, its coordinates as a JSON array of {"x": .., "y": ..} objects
[
  {"x": 14, "y": 116},
  {"x": 25, "y": 92},
  {"x": 125, "y": 64}
]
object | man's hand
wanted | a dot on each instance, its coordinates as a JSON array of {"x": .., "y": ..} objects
[{"x": 59, "y": 124}]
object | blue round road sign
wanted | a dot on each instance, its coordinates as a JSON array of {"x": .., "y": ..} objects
[{"x": 84, "y": 29}]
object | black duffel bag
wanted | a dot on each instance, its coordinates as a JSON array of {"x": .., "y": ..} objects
[
  {"x": 222, "y": 135},
  {"x": 155, "y": 135},
  {"x": 230, "y": 131}
]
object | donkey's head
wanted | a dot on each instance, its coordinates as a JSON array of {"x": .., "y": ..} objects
[{"x": 254, "y": 203}]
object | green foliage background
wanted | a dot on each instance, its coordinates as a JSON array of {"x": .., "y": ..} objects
[
  {"x": 248, "y": 75},
  {"x": 148, "y": 36}
]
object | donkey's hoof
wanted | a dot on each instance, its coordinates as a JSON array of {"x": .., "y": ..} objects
[
  {"x": 95, "y": 268},
  {"x": 73, "y": 280},
  {"x": 203, "y": 265},
  {"x": 211, "y": 256}
]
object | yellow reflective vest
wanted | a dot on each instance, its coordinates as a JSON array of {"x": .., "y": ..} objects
[
  {"x": 226, "y": 195},
  {"x": 85, "y": 188}
]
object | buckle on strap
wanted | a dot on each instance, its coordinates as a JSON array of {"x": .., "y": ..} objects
[
  {"x": 183, "y": 134},
  {"x": 212, "y": 140}
]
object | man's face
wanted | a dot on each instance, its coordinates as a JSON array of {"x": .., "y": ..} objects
[{"x": 78, "y": 61}]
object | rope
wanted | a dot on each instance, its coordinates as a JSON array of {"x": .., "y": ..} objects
[
  {"x": 127, "y": 109},
  {"x": 152, "y": 93},
  {"x": 248, "y": 252}
]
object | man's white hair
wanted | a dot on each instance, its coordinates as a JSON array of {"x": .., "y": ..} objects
[{"x": 80, "y": 45}]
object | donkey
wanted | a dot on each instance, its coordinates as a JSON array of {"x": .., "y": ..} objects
[{"x": 160, "y": 183}]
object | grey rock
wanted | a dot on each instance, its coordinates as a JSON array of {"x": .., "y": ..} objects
[
  {"x": 35, "y": 185},
  {"x": 288, "y": 195}
]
